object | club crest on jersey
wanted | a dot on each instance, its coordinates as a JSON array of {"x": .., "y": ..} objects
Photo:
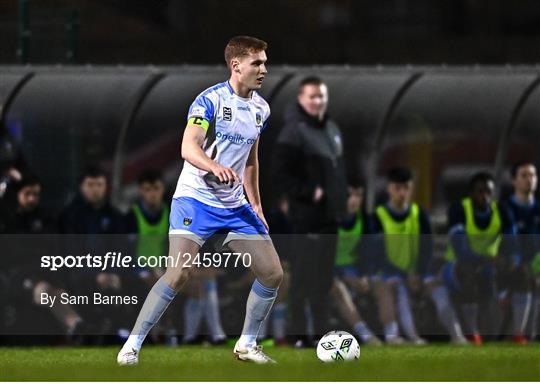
[
  {"x": 227, "y": 114},
  {"x": 258, "y": 119},
  {"x": 187, "y": 221}
]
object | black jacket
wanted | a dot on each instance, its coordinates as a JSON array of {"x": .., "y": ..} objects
[
  {"x": 79, "y": 217},
  {"x": 309, "y": 153}
]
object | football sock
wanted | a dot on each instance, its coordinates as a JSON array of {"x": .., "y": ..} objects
[
  {"x": 279, "y": 318},
  {"x": 213, "y": 319},
  {"x": 363, "y": 331},
  {"x": 447, "y": 315},
  {"x": 521, "y": 305},
  {"x": 391, "y": 330},
  {"x": 405, "y": 314},
  {"x": 157, "y": 301},
  {"x": 264, "y": 328},
  {"x": 258, "y": 306},
  {"x": 193, "y": 311}
]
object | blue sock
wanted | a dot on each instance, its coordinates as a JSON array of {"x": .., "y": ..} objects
[
  {"x": 447, "y": 314},
  {"x": 258, "y": 306},
  {"x": 391, "y": 330},
  {"x": 405, "y": 314},
  {"x": 193, "y": 310},
  {"x": 213, "y": 319},
  {"x": 362, "y": 330},
  {"x": 157, "y": 301}
]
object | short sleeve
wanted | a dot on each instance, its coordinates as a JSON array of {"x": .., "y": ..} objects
[{"x": 202, "y": 107}]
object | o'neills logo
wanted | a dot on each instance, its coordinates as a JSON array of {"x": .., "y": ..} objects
[{"x": 234, "y": 138}]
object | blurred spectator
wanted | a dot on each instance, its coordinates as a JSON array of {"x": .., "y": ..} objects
[
  {"x": 349, "y": 278},
  {"x": 402, "y": 255},
  {"x": 148, "y": 218},
  {"x": 27, "y": 277},
  {"x": 520, "y": 275},
  {"x": 310, "y": 170},
  {"x": 27, "y": 216},
  {"x": 90, "y": 212},
  {"x": 11, "y": 168},
  {"x": 92, "y": 216},
  {"x": 476, "y": 225}
]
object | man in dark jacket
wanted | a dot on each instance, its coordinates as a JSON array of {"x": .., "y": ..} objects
[
  {"x": 309, "y": 169},
  {"x": 90, "y": 220}
]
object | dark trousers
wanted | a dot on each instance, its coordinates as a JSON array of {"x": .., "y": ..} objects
[{"x": 312, "y": 270}]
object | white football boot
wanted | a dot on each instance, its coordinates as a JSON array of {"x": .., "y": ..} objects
[
  {"x": 127, "y": 356},
  {"x": 253, "y": 354}
]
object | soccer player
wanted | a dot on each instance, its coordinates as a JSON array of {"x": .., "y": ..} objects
[
  {"x": 149, "y": 219},
  {"x": 526, "y": 214},
  {"x": 476, "y": 225},
  {"x": 403, "y": 255},
  {"x": 220, "y": 147},
  {"x": 349, "y": 280}
]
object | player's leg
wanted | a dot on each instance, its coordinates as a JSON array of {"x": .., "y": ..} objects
[
  {"x": 194, "y": 306},
  {"x": 347, "y": 310},
  {"x": 182, "y": 251},
  {"x": 445, "y": 310},
  {"x": 384, "y": 296},
  {"x": 464, "y": 276},
  {"x": 521, "y": 283},
  {"x": 64, "y": 313},
  {"x": 212, "y": 316},
  {"x": 268, "y": 273},
  {"x": 405, "y": 314}
]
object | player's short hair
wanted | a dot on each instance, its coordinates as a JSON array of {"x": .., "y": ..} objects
[
  {"x": 149, "y": 176},
  {"x": 516, "y": 166},
  {"x": 240, "y": 46},
  {"x": 309, "y": 80},
  {"x": 480, "y": 177},
  {"x": 399, "y": 175},
  {"x": 92, "y": 171}
]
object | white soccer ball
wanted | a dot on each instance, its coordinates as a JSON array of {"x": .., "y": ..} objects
[{"x": 338, "y": 346}]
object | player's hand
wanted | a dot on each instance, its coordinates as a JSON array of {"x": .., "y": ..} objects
[
  {"x": 225, "y": 175},
  {"x": 258, "y": 210},
  {"x": 318, "y": 194},
  {"x": 363, "y": 284}
]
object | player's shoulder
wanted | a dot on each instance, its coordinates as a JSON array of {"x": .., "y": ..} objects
[{"x": 215, "y": 91}]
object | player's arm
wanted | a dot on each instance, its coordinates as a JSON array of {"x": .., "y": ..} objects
[
  {"x": 251, "y": 181},
  {"x": 192, "y": 151}
]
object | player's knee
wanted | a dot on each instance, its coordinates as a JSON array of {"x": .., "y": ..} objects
[
  {"x": 274, "y": 278},
  {"x": 177, "y": 278}
]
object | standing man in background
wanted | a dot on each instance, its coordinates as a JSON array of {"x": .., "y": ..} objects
[{"x": 310, "y": 170}]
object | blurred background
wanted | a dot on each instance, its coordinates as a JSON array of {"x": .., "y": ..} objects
[{"x": 445, "y": 87}]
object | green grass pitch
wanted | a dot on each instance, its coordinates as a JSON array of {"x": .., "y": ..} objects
[{"x": 498, "y": 362}]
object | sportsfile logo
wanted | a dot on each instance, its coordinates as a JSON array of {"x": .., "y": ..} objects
[{"x": 234, "y": 138}]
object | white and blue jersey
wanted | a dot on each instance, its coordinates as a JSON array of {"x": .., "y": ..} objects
[{"x": 233, "y": 124}]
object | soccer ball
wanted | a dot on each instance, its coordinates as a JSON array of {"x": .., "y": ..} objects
[{"x": 338, "y": 346}]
